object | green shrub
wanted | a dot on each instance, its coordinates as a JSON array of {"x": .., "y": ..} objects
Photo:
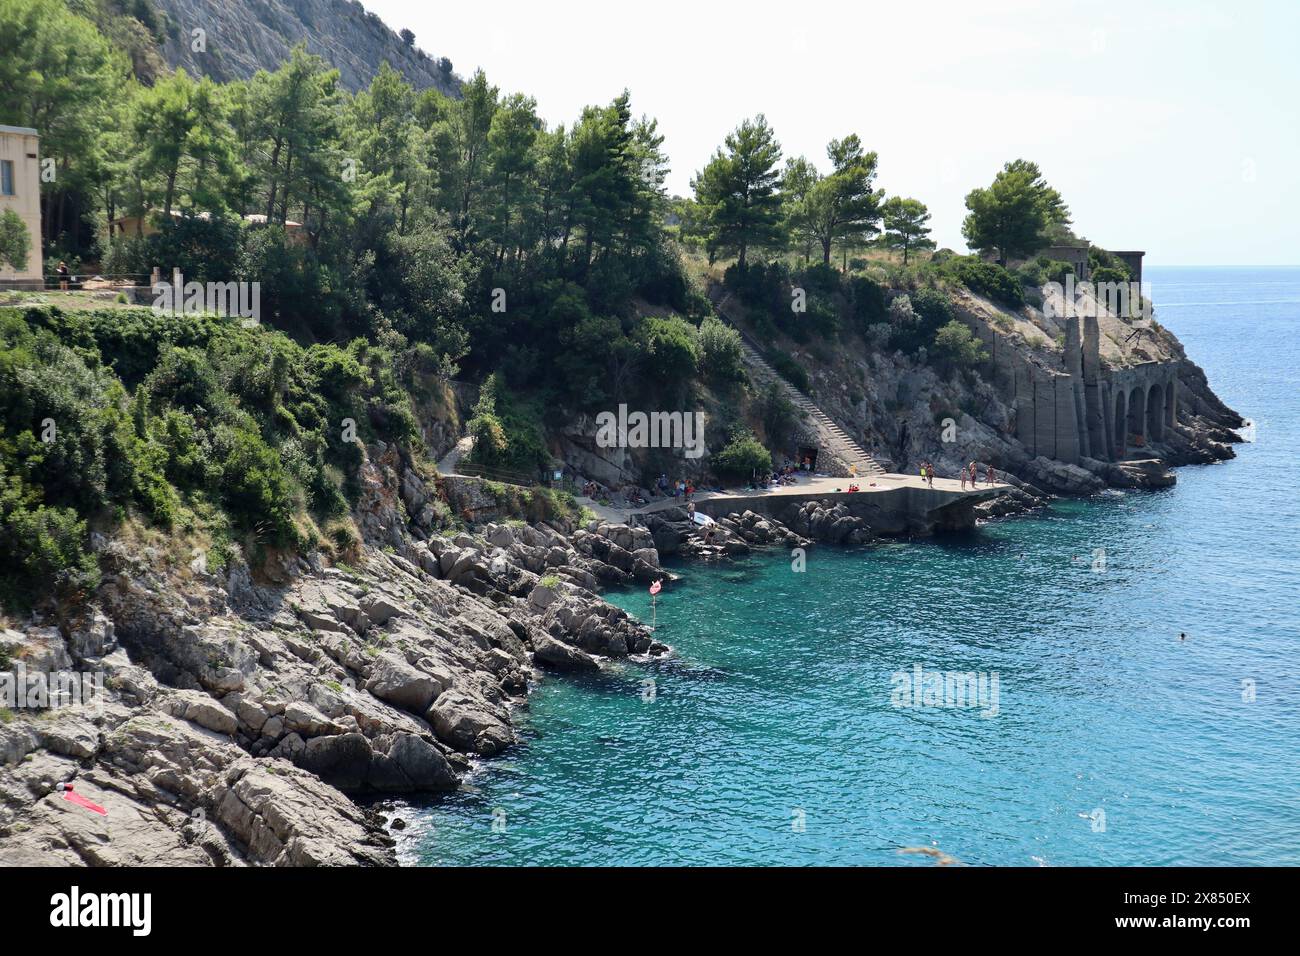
[
  {"x": 1054, "y": 270},
  {"x": 778, "y": 414},
  {"x": 15, "y": 242},
  {"x": 867, "y": 302},
  {"x": 819, "y": 278},
  {"x": 669, "y": 351},
  {"x": 1031, "y": 274},
  {"x": 255, "y": 488},
  {"x": 742, "y": 456},
  {"x": 507, "y": 432},
  {"x": 760, "y": 286},
  {"x": 987, "y": 279},
  {"x": 42, "y": 549},
  {"x": 1109, "y": 274},
  {"x": 1117, "y": 269},
  {"x": 789, "y": 368},
  {"x": 904, "y": 326},
  {"x": 932, "y": 308},
  {"x": 956, "y": 347},
  {"x": 722, "y": 355},
  {"x": 915, "y": 319},
  {"x": 822, "y": 320},
  {"x": 179, "y": 419}
]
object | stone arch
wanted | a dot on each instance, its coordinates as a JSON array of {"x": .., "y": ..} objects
[
  {"x": 1155, "y": 399},
  {"x": 1171, "y": 403},
  {"x": 1137, "y": 415},
  {"x": 1121, "y": 423}
]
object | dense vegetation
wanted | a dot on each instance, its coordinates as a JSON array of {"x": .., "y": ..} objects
[
  {"x": 437, "y": 238},
  {"x": 197, "y": 425}
]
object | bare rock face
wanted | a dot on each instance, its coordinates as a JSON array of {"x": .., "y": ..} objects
[
  {"x": 241, "y": 38},
  {"x": 240, "y": 711},
  {"x": 287, "y": 817},
  {"x": 561, "y": 657},
  {"x": 1045, "y": 401},
  {"x": 393, "y": 680},
  {"x": 136, "y": 831},
  {"x": 471, "y": 724},
  {"x": 1062, "y": 479}
]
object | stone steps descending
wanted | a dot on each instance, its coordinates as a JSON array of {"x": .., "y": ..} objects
[{"x": 832, "y": 436}]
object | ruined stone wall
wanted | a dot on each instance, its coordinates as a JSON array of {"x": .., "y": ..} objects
[{"x": 1083, "y": 410}]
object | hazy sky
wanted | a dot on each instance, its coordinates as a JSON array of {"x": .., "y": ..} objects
[{"x": 1168, "y": 126}]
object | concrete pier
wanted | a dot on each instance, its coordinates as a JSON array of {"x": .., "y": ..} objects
[{"x": 890, "y": 504}]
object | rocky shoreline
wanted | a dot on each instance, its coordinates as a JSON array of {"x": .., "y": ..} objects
[{"x": 243, "y": 714}]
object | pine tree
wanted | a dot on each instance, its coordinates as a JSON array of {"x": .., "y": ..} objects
[
  {"x": 842, "y": 207},
  {"x": 1011, "y": 217},
  {"x": 738, "y": 194},
  {"x": 905, "y": 225}
]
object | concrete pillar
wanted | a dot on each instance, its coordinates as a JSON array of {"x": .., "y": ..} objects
[
  {"x": 1073, "y": 348},
  {"x": 1045, "y": 408},
  {"x": 1078, "y": 400},
  {"x": 1069, "y": 406},
  {"x": 1106, "y": 415},
  {"x": 1096, "y": 404},
  {"x": 1119, "y": 419},
  {"x": 1026, "y": 419}
]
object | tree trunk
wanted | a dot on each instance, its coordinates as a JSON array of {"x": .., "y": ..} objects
[{"x": 275, "y": 166}]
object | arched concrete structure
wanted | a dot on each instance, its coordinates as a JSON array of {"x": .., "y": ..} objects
[
  {"x": 1137, "y": 416},
  {"x": 1087, "y": 408},
  {"x": 1156, "y": 413}
]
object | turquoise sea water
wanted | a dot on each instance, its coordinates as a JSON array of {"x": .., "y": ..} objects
[{"x": 770, "y": 737}]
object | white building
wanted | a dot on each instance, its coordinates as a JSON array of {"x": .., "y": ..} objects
[{"x": 20, "y": 190}]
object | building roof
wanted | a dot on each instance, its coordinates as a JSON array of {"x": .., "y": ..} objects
[
  {"x": 23, "y": 130},
  {"x": 260, "y": 218},
  {"x": 255, "y": 218}
]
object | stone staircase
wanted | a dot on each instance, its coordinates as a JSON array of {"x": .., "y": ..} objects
[{"x": 831, "y": 436}]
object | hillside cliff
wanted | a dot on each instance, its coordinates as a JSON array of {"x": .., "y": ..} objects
[
  {"x": 1058, "y": 402},
  {"x": 244, "y": 36},
  {"x": 1067, "y": 405}
]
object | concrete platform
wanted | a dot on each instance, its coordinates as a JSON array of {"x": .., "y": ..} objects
[{"x": 891, "y": 504}]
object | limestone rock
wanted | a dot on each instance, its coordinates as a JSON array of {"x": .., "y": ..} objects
[
  {"x": 561, "y": 657},
  {"x": 470, "y": 724},
  {"x": 394, "y": 680}
]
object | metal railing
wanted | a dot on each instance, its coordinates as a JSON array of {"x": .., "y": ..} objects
[
  {"x": 110, "y": 280},
  {"x": 470, "y": 469}
]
